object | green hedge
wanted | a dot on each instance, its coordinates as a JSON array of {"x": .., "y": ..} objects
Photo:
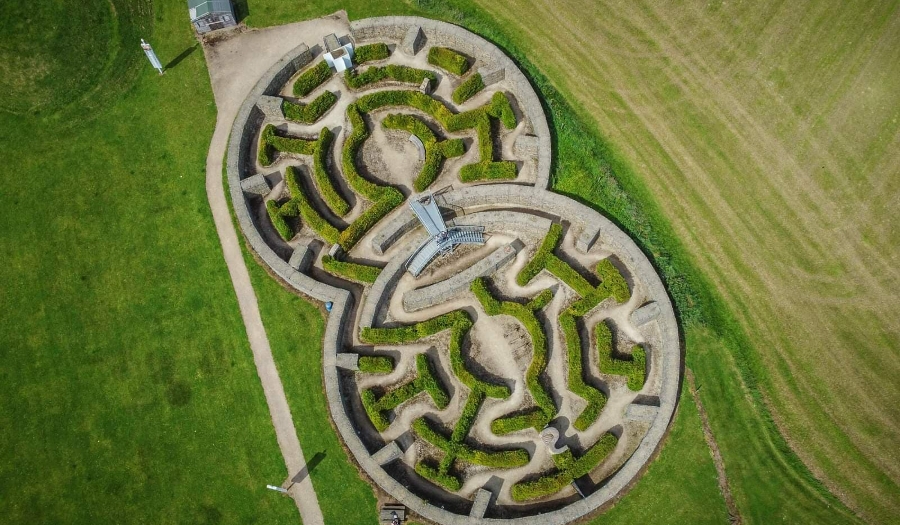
[
  {"x": 370, "y": 405},
  {"x": 370, "y": 52},
  {"x": 448, "y": 59},
  {"x": 538, "y": 340},
  {"x": 425, "y": 381},
  {"x": 501, "y": 109},
  {"x": 376, "y": 364},
  {"x": 633, "y": 367},
  {"x": 435, "y": 151},
  {"x": 533, "y": 418},
  {"x": 309, "y": 113},
  {"x": 489, "y": 458},
  {"x": 429, "y": 382},
  {"x": 312, "y": 78},
  {"x": 503, "y": 170},
  {"x": 568, "y": 275},
  {"x": 448, "y": 481},
  {"x": 459, "y": 323},
  {"x": 398, "y": 73},
  {"x": 281, "y": 226},
  {"x": 360, "y": 273},
  {"x": 467, "y": 418},
  {"x": 384, "y": 198},
  {"x": 414, "y": 332},
  {"x": 266, "y": 153},
  {"x": 536, "y": 264},
  {"x": 468, "y": 89},
  {"x": 568, "y": 469},
  {"x": 595, "y": 398},
  {"x": 305, "y": 208},
  {"x": 612, "y": 282},
  {"x": 323, "y": 180}
]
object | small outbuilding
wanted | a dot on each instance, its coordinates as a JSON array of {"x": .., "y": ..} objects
[
  {"x": 338, "y": 56},
  {"x": 209, "y": 15}
]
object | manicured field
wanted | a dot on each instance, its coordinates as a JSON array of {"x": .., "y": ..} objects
[
  {"x": 128, "y": 392},
  {"x": 769, "y": 137}
]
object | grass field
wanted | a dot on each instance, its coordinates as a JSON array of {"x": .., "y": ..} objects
[
  {"x": 769, "y": 137},
  {"x": 128, "y": 392},
  {"x": 762, "y": 140}
]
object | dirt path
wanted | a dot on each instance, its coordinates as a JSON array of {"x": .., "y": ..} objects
[{"x": 235, "y": 64}]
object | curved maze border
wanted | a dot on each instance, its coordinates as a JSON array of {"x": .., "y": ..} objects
[{"x": 524, "y": 207}]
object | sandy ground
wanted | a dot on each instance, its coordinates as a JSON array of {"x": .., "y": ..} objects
[{"x": 235, "y": 64}]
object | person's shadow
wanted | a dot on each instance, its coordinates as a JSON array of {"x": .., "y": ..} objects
[
  {"x": 184, "y": 54},
  {"x": 309, "y": 467}
]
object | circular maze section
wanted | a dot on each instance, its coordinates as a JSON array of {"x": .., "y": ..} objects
[{"x": 494, "y": 351}]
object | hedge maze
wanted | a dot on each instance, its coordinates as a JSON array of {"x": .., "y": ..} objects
[{"x": 507, "y": 343}]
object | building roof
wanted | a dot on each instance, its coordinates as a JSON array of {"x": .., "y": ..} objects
[{"x": 199, "y": 8}]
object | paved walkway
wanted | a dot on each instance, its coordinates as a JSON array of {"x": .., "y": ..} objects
[{"x": 235, "y": 64}]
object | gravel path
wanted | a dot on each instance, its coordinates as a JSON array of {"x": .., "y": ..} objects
[{"x": 235, "y": 64}]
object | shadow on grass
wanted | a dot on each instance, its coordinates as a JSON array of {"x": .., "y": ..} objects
[
  {"x": 309, "y": 467},
  {"x": 184, "y": 54}
]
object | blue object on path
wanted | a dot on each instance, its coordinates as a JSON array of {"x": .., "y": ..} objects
[{"x": 328, "y": 306}]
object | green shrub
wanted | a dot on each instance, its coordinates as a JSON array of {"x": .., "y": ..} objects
[
  {"x": 501, "y": 109},
  {"x": 360, "y": 273},
  {"x": 375, "y": 364},
  {"x": 309, "y": 113},
  {"x": 536, "y": 264},
  {"x": 467, "y": 418},
  {"x": 312, "y": 78},
  {"x": 432, "y": 474},
  {"x": 489, "y": 458},
  {"x": 533, "y": 418},
  {"x": 370, "y": 404},
  {"x": 281, "y": 226},
  {"x": 468, "y": 89},
  {"x": 395, "y": 72},
  {"x": 595, "y": 398},
  {"x": 434, "y": 151},
  {"x": 568, "y": 275},
  {"x": 503, "y": 170},
  {"x": 452, "y": 148},
  {"x": 568, "y": 470},
  {"x": 309, "y": 214},
  {"x": 287, "y": 144},
  {"x": 538, "y": 340},
  {"x": 414, "y": 332},
  {"x": 370, "y": 52},
  {"x": 323, "y": 180},
  {"x": 448, "y": 59},
  {"x": 266, "y": 153},
  {"x": 612, "y": 282},
  {"x": 429, "y": 382},
  {"x": 633, "y": 367}
]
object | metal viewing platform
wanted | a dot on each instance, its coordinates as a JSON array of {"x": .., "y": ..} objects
[{"x": 443, "y": 240}]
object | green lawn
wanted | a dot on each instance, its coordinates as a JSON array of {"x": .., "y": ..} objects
[
  {"x": 128, "y": 389},
  {"x": 295, "y": 327}
]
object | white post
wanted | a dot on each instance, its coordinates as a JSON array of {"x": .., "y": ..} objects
[
  {"x": 151, "y": 56},
  {"x": 277, "y": 489}
]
